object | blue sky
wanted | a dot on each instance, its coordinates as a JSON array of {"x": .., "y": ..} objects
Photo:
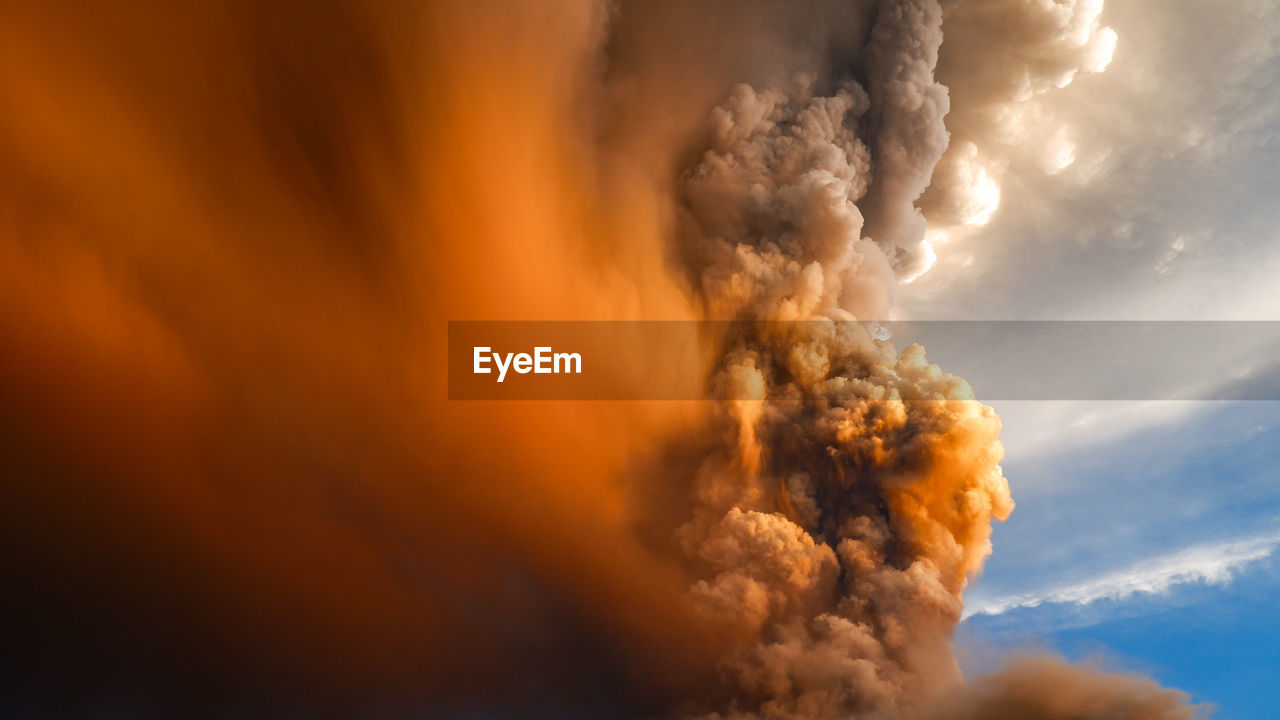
[
  {"x": 1219, "y": 643},
  {"x": 1147, "y": 534},
  {"x": 1157, "y": 553}
]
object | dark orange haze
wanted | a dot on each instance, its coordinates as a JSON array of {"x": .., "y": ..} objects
[{"x": 232, "y": 235}]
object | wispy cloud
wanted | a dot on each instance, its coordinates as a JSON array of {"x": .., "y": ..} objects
[{"x": 1212, "y": 564}]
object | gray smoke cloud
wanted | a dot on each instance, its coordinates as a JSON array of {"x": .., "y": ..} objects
[
  {"x": 907, "y": 126},
  {"x": 999, "y": 57},
  {"x": 847, "y": 494}
]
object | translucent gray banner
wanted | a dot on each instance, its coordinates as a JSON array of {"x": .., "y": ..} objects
[
  {"x": 1002, "y": 360},
  {"x": 1114, "y": 360}
]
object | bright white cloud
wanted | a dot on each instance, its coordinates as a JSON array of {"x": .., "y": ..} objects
[
  {"x": 1037, "y": 428},
  {"x": 1094, "y": 196},
  {"x": 1212, "y": 564}
]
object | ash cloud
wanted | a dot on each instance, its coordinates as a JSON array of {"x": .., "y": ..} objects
[
  {"x": 848, "y": 499},
  {"x": 233, "y": 235}
]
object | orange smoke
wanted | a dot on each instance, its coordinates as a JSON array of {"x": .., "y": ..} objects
[{"x": 232, "y": 235}]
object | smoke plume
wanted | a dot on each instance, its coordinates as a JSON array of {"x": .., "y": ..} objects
[
  {"x": 851, "y": 494},
  {"x": 231, "y": 235}
]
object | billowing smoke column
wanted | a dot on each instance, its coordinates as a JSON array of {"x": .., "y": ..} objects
[{"x": 851, "y": 492}]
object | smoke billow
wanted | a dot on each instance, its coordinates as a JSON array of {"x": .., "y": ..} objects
[
  {"x": 851, "y": 494},
  {"x": 1044, "y": 688},
  {"x": 231, "y": 235},
  {"x": 998, "y": 58}
]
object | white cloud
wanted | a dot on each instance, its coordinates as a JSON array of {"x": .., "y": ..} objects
[
  {"x": 1036, "y": 428},
  {"x": 1212, "y": 564}
]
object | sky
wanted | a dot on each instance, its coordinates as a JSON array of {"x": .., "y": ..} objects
[{"x": 1147, "y": 533}]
